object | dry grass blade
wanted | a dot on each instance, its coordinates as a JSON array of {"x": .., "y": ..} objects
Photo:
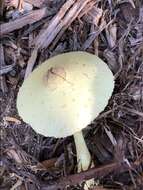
[{"x": 30, "y": 18}]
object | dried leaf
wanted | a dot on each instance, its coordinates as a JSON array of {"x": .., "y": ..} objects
[{"x": 47, "y": 163}]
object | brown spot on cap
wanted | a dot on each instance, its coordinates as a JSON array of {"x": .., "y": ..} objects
[{"x": 54, "y": 77}]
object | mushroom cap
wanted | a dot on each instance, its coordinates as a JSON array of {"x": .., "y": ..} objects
[{"x": 65, "y": 94}]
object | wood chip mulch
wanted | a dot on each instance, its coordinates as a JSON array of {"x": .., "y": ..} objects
[{"x": 31, "y": 31}]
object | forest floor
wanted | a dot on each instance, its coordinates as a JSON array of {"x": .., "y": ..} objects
[{"x": 31, "y": 33}]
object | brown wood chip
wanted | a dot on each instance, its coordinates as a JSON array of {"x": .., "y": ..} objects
[{"x": 30, "y": 18}]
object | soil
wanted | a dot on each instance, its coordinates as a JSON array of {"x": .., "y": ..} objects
[{"x": 113, "y": 30}]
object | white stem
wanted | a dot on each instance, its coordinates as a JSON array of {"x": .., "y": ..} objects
[{"x": 83, "y": 155}]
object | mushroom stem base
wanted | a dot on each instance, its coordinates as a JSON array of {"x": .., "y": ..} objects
[{"x": 83, "y": 155}]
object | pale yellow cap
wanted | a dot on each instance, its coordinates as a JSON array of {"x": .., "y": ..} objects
[{"x": 65, "y": 94}]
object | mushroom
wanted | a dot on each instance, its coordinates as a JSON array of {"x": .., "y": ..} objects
[{"x": 64, "y": 95}]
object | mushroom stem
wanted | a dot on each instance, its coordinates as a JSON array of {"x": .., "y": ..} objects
[{"x": 83, "y": 157}]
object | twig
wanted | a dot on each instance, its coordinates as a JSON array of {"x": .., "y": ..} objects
[
  {"x": 86, "y": 175},
  {"x": 95, "y": 173},
  {"x": 1, "y": 9},
  {"x": 30, "y": 18},
  {"x": 3, "y": 85}
]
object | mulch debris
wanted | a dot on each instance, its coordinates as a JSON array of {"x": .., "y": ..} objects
[{"x": 33, "y": 31}]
